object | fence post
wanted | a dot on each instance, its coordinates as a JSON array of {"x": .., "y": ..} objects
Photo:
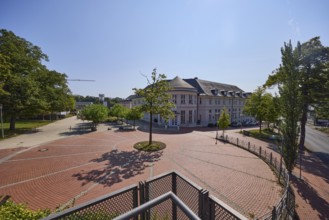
[
  {"x": 226, "y": 138},
  {"x": 273, "y": 213},
  {"x": 135, "y": 200},
  {"x": 212, "y": 210},
  {"x": 260, "y": 151},
  {"x": 174, "y": 190},
  {"x": 280, "y": 171},
  {"x": 237, "y": 142},
  {"x": 141, "y": 186},
  {"x": 248, "y": 146},
  {"x": 203, "y": 204},
  {"x": 271, "y": 158}
]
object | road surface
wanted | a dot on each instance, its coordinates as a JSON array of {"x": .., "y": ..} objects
[{"x": 318, "y": 143}]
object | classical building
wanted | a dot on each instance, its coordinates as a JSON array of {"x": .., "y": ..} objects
[{"x": 199, "y": 102}]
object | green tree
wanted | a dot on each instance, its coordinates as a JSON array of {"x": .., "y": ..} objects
[
  {"x": 157, "y": 100},
  {"x": 95, "y": 113},
  {"x": 291, "y": 101},
  {"x": 119, "y": 111},
  {"x": 26, "y": 86},
  {"x": 260, "y": 105},
  {"x": 223, "y": 121},
  {"x": 134, "y": 114},
  {"x": 54, "y": 95},
  {"x": 311, "y": 63}
]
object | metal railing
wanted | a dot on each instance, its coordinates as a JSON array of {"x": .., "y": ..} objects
[
  {"x": 285, "y": 208},
  {"x": 105, "y": 207},
  {"x": 169, "y": 196},
  {"x": 153, "y": 199}
]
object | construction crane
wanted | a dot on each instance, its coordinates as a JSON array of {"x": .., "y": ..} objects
[{"x": 89, "y": 80}]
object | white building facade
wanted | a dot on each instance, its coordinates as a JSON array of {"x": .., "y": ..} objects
[{"x": 200, "y": 103}]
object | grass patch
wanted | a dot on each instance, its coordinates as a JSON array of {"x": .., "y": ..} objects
[
  {"x": 23, "y": 127},
  {"x": 145, "y": 146},
  {"x": 266, "y": 135},
  {"x": 324, "y": 130}
]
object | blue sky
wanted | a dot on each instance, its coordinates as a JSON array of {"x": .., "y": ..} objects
[{"x": 115, "y": 42}]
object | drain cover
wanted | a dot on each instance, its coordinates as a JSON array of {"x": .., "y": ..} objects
[{"x": 43, "y": 149}]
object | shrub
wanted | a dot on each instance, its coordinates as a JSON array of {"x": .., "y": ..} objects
[{"x": 12, "y": 210}]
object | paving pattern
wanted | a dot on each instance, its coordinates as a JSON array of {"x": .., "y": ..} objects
[{"x": 80, "y": 168}]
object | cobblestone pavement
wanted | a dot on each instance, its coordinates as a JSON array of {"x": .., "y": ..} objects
[{"x": 91, "y": 165}]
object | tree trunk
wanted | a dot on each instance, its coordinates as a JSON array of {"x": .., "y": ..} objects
[
  {"x": 151, "y": 124},
  {"x": 12, "y": 122},
  {"x": 303, "y": 121},
  {"x": 260, "y": 126}
]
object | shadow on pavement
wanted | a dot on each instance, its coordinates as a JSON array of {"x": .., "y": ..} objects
[
  {"x": 119, "y": 165},
  {"x": 315, "y": 165},
  {"x": 307, "y": 193}
]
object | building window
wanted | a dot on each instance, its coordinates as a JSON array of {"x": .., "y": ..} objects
[
  {"x": 182, "y": 117},
  {"x": 218, "y": 101},
  {"x": 190, "y": 99},
  {"x": 190, "y": 116},
  {"x": 174, "y": 98},
  {"x": 182, "y": 99},
  {"x": 200, "y": 101},
  {"x": 210, "y": 101}
]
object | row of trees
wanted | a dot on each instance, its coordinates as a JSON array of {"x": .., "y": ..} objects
[
  {"x": 27, "y": 87},
  {"x": 303, "y": 81},
  {"x": 97, "y": 113}
]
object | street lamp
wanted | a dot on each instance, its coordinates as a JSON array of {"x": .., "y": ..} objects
[{"x": 3, "y": 135}]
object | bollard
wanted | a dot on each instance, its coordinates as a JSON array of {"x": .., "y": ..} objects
[{"x": 260, "y": 151}]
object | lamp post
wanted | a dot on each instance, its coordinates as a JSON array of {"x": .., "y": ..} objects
[{"x": 3, "y": 135}]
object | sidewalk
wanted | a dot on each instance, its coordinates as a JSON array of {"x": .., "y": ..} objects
[
  {"x": 312, "y": 190},
  {"x": 54, "y": 131}
]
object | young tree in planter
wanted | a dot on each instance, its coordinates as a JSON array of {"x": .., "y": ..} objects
[
  {"x": 95, "y": 113},
  {"x": 223, "y": 121},
  {"x": 157, "y": 100}
]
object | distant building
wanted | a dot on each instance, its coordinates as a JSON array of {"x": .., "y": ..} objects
[{"x": 199, "y": 102}]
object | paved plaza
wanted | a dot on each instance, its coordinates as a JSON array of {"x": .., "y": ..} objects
[{"x": 61, "y": 165}]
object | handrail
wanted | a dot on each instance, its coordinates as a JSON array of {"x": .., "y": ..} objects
[{"x": 156, "y": 201}]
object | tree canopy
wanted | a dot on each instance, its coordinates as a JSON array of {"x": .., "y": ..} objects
[
  {"x": 224, "y": 120},
  {"x": 26, "y": 85},
  {"x": 311, "y": 61},
  {"x": 157, "y": 100},
  {"x": 95, "y": 113},
  {"x": 290, "y": 98},
  {"x": 261, "y": 106},
  {"x": 134, "y": 114}
]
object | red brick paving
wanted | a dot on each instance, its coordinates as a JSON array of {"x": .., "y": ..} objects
[
  {"x": 7, "y": 152},
  {"x": 85, "y": 167}
]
